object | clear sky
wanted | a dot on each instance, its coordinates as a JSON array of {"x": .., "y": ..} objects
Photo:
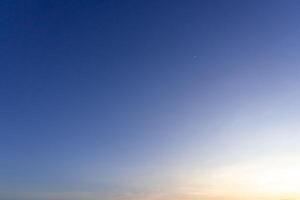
[{"x": 152, "y": 100}]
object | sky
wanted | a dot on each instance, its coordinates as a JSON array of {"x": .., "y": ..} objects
[{"x": 152, "y": 100}]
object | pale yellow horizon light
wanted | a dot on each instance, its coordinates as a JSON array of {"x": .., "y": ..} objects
[{"x": 276, "y": 177}]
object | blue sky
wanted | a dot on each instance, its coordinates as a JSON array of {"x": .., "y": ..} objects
[{"x": 118, "y": 99}]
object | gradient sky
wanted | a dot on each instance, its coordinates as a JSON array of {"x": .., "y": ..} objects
[{"x": 152, "y": 100}]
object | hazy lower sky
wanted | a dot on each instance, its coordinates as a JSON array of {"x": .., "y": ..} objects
[{"x": 149, "y": 100}]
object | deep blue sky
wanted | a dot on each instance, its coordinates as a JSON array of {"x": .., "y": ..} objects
[{"x": 117, "y": 94}]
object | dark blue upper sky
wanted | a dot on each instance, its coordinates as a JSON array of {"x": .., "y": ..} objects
[{"x": 93, "y": 90}]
